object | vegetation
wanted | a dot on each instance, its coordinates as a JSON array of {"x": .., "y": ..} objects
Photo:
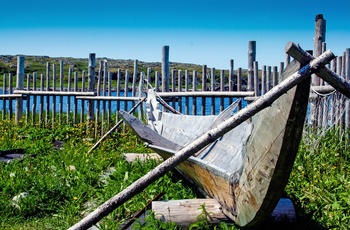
[{"x": 56, "y": 187}]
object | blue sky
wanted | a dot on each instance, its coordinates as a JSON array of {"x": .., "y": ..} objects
[{"x": 201, "y": 32}]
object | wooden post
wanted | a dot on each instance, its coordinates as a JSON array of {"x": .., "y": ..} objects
[
  {"x": 212, "y": 84},
  {"x": 82, "y": 109},
  {"x": 54, "y": 97},
  {"x": 165, "y": 69},
  {"x": 20, "y": 86},
  {"x": 222, "y": 88},
  {"x": 10, "y": 92},
  {"x": 268, "y": 78},
  {"x": 280, "y": 72},
  {"x": 239, "y": 84},
  {"x": 91, "y": 87},
  {"x": 347, "y": 78},
  {"x": 251, "y": 59},
  {"x": 35, "y": 75},
  {"x": 41, "y": 107},
  {"x": 194, "y": 89},
  {"x": 230, "y": 79},
  {"x": 156, "y": 79},
  {"x": 275, "y": 76},
  {"x": 256, "y": 78},
  {"x": 119, "y": 77},
  {"x": 186, "y": 90},
  {"x": 60, "y": 109},
  {"x": 263, "y": 80},
  {"x": 4, "y": 99},
  {"x": 28, "y": 100},
  {"x": 47, "y": 105},
  {"x": 126, "y": 87},
  {"x": 320, "y": 37},
  {"x": 179, "y": 90},
  {"x": 204, "y": 87},
  {"x": 70, "y": 72},
  {"x": 134, "y": 78}
]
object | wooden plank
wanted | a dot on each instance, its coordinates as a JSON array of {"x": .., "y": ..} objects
[
  {"x": 131, "y": 157},
  {"x": 186, "y": 212},
  {"x": 108, "y": 98}
]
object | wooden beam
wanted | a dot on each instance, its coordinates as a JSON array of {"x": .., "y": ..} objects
[
  {"x": 326, "y": 74},
  {"x": 53, "y": 93},
  {"x": 108, "y": 98},
  {"x": 186, "y": 212},
  {"x": 206, "y": 93},
  {"x": 131, "y": 157}
]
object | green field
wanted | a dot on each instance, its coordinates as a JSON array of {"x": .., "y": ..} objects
[{"x": 62, "y": 185}]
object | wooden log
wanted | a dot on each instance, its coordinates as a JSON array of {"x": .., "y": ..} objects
[
  {"x": 19, "y": 85},
  {"x": 131, "y": 157},
  {"x": 201, "y": 142},
  {"x": 275, "y": 76},
  {"x": 328, "y": 75},
  {"x": 268, "y": 78},
  {"x": 165, "y": 69},
  {"x": 109, "y": 111},
  {"x": 320, "y": 37},
  {"x": 126, "y": 87},
  {"x": 239, "y": 84},
  {"x": 41, "y": 103},
  {"x": 251, "y": 60},
  {"x": 186, "y": 212}
]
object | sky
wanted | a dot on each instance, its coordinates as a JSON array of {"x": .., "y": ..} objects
[{"x": 200, "y": 32}]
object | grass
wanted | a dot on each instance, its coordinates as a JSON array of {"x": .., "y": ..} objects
[{"x": 65, "y": 184}]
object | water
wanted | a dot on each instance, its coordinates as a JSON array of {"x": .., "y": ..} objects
[{"x": 115, "y": 105}]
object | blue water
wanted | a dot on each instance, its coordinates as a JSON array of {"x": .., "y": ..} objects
[{"x": 211, "y": 105}]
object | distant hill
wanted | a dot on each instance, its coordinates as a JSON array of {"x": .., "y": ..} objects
[{"x": 8, "y": 64}]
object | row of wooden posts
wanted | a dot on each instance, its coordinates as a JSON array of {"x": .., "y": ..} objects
[{"x": 56, "y": 102}]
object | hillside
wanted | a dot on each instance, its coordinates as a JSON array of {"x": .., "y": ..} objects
[{"x": 8, "y": 64}]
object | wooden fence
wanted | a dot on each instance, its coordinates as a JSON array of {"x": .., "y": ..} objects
[{"x": 93, "y": 97}]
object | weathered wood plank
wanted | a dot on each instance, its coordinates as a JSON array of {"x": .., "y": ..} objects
[
  {"x": 186, "y": 212},
  {"x": 131, "y": 157}
]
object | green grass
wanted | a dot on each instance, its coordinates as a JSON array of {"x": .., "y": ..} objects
[{"x": 65, "y": 184}]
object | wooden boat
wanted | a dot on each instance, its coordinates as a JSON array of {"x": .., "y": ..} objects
[{"x": 245, "y": 170}]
